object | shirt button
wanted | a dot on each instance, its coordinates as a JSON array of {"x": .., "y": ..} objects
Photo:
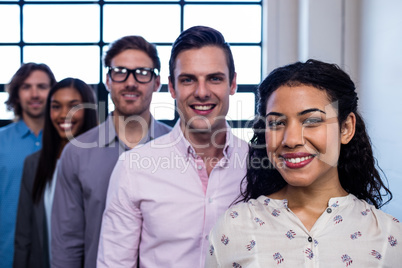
[
  {"x": 206, "y": 237},
  {"x": 329, "y": 210},
  {"x": 37, "y": 143},
  {"x": 199, "y": 167},
  {"x": 310, "y": 239},
  {"x": 210, "y": 200}
]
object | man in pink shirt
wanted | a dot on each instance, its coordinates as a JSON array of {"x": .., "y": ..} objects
[{"x": 165, "y": 196}]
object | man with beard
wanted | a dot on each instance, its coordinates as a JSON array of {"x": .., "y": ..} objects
[
  {"x": 87, "y": 161},
  {"x": 28, "y": 90}
]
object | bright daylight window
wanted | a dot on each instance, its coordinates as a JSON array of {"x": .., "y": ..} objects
[{"x": 71, "y": 37}]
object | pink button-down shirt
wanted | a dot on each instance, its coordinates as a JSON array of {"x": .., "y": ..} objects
[{"x": 161, "y": 204}]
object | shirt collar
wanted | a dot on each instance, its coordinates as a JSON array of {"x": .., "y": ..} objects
[
  {"x": 333, "y": 202},
  {"x": 107, "y": 132},
  {"x": 187, "y": 149},
  {"x": 23, "y": 130},
  {"x": 151, "y": 132},
  {"x": 109, "y": 136}
]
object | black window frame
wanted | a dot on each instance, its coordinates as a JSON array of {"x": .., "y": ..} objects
[{"x": 100, "y": 89}]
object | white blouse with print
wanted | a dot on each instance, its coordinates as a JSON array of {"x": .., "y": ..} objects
[{"x": 265, "y": 233}]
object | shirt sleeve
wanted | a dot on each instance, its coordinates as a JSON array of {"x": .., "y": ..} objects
[
  {"x": 122, "y": 222},
  {"x": 68, "y": 219},
  {"x": 23, "y": 230}
]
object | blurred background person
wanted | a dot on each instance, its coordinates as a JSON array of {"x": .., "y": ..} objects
[
  {"x": 70, "y": 111},
  {"x": 28, "y": 90},
  {"x": 84, "y": 171}
]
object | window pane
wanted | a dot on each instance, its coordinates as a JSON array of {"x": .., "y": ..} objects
[
  {"x": 56, "y": 0},
  {"x": 10, "y": 62},
  {"x": 4, "y": 113},
  {"x": 243, "y": 133},
  {"x": 104, "y": 70},
  {"x": 247, "y": 64},
  {"x": 156, "y": 23},
  {"x": 238, "y": 23},
  {"x": 162, "y": 106},
  {"x": 68, "y": 61},
  {"x": 61, "y": 23},
  {"x": 143, "y": 0},
  {"x": 251, "y": 1},
  {"x": 10, "y": 23},
  {"x": 241, "y": 106},
  {"x": 164, "y": 56}
]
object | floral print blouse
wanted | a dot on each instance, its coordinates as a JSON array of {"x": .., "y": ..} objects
[{"x": 265, "y": 233}]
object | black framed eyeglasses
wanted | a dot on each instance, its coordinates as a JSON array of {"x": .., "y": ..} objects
[{"x": 141, "y": 75}]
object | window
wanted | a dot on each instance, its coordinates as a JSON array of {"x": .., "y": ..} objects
[{"x": 71, "y": 37}]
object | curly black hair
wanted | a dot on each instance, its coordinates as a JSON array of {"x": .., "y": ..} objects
[{"x": 358, "y": 171}]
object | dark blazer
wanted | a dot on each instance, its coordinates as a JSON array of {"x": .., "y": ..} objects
[{"x": 30, "y": 246}]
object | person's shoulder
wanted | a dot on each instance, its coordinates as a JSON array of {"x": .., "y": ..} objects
[
  {"x": 386, "y": 217},
  {"x": 89, "y": 135},
  {"x": 158, "y": 147},
  {"x": 241, "y": 207},
  {"x": 237, "y": 217},
  {"x": 30, "y": 166},
  {"x": 240, "y": 144},
  {"x": 381, "y": 216},
  {"x": 9, "y": 134},
  {"x": 161, "y": 127},
  {"x": 388, "y": 222},
  {"x": 242, "y": 210},
  {"x": 6, "y": 130},
  {"x": 159, "y": 144},
  {"x": 33, "y": 157}
]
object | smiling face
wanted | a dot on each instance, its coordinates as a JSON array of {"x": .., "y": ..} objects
[
  {"x": 130, "y": 97},
  {"x": 202, "y": 88},
  {"x": 303, "y": 135},
  {"x": 33, "y": 93},
  {"x": 66, "y": 121}
]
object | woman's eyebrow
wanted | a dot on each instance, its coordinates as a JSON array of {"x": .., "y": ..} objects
[
  {"x": 274, "y": 114},
  {"x": 312, "y": 110}
]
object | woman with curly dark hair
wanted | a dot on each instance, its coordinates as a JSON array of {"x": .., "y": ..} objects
[{"x": 313, "y": 188}]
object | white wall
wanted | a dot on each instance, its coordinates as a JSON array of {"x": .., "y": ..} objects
[
  {"x": 328, "y": 30},
  {"x": 381, "y": 88},
  {"x": 364, "y": 37}
]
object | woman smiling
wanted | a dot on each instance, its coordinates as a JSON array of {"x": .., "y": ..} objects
[
  {"x": 316, "y": 203},
  {"x": 70, "y": 111}
]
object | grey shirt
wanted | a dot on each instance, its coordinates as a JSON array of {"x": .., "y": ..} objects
[{"x": 83, "y": 177}]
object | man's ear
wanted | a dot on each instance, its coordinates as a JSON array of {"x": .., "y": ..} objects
[
  {"x": 171, "y": 89},
  {"x": 108, "y": 82},
  {"x": 233, "y": 86},
  {"x": 348, "y": 128},
  {"x": 157, "y": 85}
]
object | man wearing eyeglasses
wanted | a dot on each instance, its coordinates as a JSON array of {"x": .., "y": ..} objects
[
  {"x": 164, "y": 198},
  {"x": 87, "y": 161}
]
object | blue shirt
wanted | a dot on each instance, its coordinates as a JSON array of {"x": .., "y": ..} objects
[{"x": 16, "y": 142}]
